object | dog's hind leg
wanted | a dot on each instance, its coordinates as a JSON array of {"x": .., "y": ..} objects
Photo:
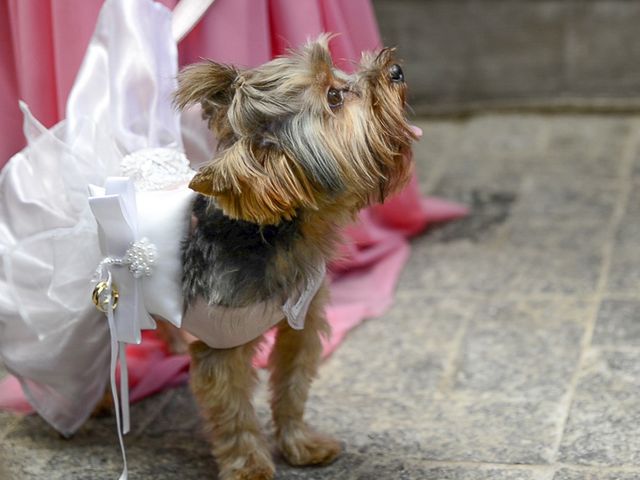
[
  {"x": 294, "y": 364},
  {"x": 223, "y": 382}
]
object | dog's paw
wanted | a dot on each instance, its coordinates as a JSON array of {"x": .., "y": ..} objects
[
  {"x": 254, "y": 468},
  {"x": 258, "y": 473},
  {"x": 302, "y": 446}
]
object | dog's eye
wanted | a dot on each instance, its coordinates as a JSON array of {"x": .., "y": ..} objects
[
  {"x": 334, "y": 97},
  {"x": 396, "y": 74}
]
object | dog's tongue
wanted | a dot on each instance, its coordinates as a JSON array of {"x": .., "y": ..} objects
[{"x": 417, "y": 131}]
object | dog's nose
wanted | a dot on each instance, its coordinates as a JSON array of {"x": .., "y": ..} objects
[{"x": 396, "y": 74}]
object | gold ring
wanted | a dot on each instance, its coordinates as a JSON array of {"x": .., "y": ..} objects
[{"x": 101, "y": 300}]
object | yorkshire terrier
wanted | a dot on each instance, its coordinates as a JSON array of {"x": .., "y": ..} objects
[{"x": 302, "y": 147}]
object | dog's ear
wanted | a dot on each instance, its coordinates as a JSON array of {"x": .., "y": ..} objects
[
  {"x": 257, "y": 184},
  {"x": 210, "y": 84}
]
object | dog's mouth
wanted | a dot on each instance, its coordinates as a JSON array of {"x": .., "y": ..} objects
[{"x": 417, "y": 131}]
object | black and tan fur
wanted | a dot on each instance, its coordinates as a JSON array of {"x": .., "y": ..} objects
[{"x": 302, "y": 147}]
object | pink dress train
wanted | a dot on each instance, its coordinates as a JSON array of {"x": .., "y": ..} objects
[{"x": 42, "y": 43}]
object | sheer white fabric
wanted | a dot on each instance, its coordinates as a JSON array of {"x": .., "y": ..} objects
[{"x": 51, "y": 336}]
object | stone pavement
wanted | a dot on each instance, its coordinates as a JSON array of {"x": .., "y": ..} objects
[{"x": 513, "y": 349}]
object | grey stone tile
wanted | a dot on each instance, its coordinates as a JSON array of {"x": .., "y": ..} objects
[
  {"x": 406, "y": 469},
  {"x": 360, "y": 419},
  {"x": 578, "y": 150},
  {"x": 144, "y": 462},
  {"x": 557, "y": 198},
  {"x": 165, "y": 442},
  {"x": 485, "y": 430},
  {"x": 456, "y": 185},
  {"x": 487, "y": 155},
  {"x": 526, "y": 349},
  {"x": 488, "y": 211},
  {"x": 589, "y": 147},
  {"x": 599, "y": 163},
  {"x": 560, "y": 219},
  {"x": 350, "y": 418},
  {"x": 95, "y": 462},
  {"x": 412, "y": 370},
  {"x": 624, "y": 274},
  {"x": 626, "y": 236},
  {"x": 424, "y": 319},
  {"x": 636, "y": 165},
  {"x": 584, "y": 237},
  {"x": 30, "y": 444},
  {"x": 33, "y": 432},
  {"x": 414, "y": 318},
  {"x": 481, "y": 172},
  {"x": 618, "y": 323},
  {"x": 504, "y": 136},
  {"x": 439, "y": 137},
  {"x": 405, "y": 350},
  {"x": 93, "y": 452},
  {"x": 492, "y": 268},
  {"x": 603, "y": 427},
  {"x": 550, "y": 240},
  {"x": 588, "y": 474},
  {"x": 488, "y": 430},
  {"x": 174, "y": 413},
  {"x": 430, "y": 154},
  {"x": 544, "y": 214},
  {"x": 632, "y": 210},
  {"x": 345, "y": 467},
  {"x": 19, "y": 463},
  {"x": 449, "y": 428}
]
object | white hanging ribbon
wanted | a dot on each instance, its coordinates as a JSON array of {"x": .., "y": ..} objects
[
  {"x": 118, "y": 350},
  {"x": 126, "y": 260}
]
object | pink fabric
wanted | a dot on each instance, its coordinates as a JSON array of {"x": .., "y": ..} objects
[
  {"x": 41, "y": 46},
  {"x": 42, "y": 43}
]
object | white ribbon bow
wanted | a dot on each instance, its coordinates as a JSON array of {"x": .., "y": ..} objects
[
  {"x": 126, "y": 259},
  {"x": 116, "y": 214}
]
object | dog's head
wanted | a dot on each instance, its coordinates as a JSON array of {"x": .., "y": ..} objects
[{"x": 296, "y": 133}]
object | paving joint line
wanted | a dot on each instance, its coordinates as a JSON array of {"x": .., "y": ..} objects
[{"x": 453, "y": 361}]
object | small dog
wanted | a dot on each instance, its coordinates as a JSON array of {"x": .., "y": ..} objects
[{"x": 302, "y": 148}]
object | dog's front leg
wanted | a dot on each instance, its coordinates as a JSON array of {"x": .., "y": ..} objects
[
  {"x": 223, "y": 382},
  {"x": 294, "y": 363}
]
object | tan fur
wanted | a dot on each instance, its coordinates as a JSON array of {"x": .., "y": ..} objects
[
  {"x": 262, "y": 186},
  {"x": 223, "y": 382},
  {"x": 294, "y": 364},
  {"x": 285, "y": 152}
]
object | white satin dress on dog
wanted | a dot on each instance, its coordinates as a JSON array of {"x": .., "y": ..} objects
[{"x": 101, "y": 199}]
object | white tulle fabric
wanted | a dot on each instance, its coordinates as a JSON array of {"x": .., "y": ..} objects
[
  {"x": 119, "y": 121},
  {"x": 51, "y": 336}
]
